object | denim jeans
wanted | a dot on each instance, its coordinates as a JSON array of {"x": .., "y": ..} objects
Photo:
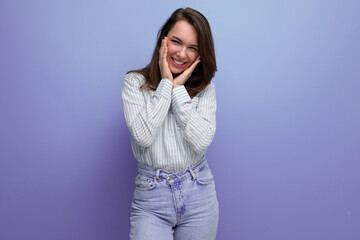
[{"x": 180, "y": 206}]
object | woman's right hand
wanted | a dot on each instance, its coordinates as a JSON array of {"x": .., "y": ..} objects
[{"x": 163, "y": 63}]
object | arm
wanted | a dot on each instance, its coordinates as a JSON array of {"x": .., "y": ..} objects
[
  {"x": 198, "y": 121},
  {"x": 143, "y": 119}
]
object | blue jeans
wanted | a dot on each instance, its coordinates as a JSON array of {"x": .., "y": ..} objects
[{"x": 180, "y": 206}]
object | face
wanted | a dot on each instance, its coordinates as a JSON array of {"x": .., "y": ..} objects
[{"x": 182, "y": 46}]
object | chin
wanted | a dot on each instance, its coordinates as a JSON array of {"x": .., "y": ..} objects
[{"x": 176, "y": 71}]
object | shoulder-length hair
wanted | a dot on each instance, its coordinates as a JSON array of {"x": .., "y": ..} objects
[{"x": 204, "y": 71}]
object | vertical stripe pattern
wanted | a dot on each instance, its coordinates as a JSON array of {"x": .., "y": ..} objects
[{"x": 168, "y": 129}]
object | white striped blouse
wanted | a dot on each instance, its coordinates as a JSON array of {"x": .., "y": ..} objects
[{"x": 169, "y": 130}]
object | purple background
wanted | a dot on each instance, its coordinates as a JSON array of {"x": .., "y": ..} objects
[{"x": 286, "y": 152}]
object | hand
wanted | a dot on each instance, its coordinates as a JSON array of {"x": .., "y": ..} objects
[
  {"x": 183, "y": 77},
  {"x": 163, "y": 63}
]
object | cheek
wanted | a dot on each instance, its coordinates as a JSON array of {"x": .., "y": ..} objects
[
  {"x": 193, "y": 56},
  {"x": 170, "y": 49}
]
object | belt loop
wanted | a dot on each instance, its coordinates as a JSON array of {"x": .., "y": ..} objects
[
  {"x": 157, "y": 174},
  {"x": 192, "y": 174}
]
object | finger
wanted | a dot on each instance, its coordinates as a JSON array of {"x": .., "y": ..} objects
[
  {"x": 165, "y": 44},
  {"x": 162, "y": 44},
  {"x": 193, "y": 66},
  {"x": 165, "y": 50},
  {"x": 198, "y": 58},
  {"x": 161, "y": 55},
  {"x": 162, "y": 50}
]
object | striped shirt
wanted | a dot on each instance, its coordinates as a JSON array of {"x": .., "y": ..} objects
[{"x": 169, "y": 130}]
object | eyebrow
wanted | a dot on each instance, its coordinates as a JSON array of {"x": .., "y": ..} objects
[{"x": 192, "y": 45}]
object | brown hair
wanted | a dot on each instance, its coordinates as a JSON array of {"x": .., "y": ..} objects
[{"x": 204, "y": 71}]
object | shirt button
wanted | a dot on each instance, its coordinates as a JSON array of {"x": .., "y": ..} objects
[{"x": 169, "y": 178}]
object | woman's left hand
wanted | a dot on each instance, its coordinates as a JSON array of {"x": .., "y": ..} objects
[{"x": 183, "y": 77}]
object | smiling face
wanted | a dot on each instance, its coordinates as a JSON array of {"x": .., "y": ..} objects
[{"x": 182, "y": 46}]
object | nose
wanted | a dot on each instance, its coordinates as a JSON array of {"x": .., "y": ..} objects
[{"x": 182, "y": 53}]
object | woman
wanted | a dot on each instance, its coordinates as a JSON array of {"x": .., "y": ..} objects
[{"x": 170, "y": 108}]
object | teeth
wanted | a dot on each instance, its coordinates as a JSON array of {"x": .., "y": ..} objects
[{"x": 180, "y": 63}]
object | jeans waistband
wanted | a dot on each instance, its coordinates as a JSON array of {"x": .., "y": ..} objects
[{"x": 159, "y": 173}]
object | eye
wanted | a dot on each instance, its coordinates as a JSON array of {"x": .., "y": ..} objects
[
  {"x": 193, "y": 49},
  {"x": 175, "y": 42}
]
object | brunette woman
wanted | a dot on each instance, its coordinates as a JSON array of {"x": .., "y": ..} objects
[{"x": 170, "y": 111}]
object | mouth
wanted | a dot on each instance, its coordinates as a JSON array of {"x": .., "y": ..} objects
[{"x": 177, "y": 62}]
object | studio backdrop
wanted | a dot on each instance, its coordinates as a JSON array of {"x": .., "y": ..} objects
[{"x": 285, "y": 157}]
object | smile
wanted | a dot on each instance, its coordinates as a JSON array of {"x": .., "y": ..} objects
[{"x": 178, "y": 62}]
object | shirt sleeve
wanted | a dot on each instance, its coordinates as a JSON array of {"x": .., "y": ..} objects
[
  {"x": 144, "y": 118},
  {"x": 197, "y": 116}
]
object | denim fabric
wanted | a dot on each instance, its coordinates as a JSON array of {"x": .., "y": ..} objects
[{"x": 180, "y": 206}]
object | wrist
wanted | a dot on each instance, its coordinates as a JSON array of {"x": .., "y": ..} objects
[
  {"x": 167, "y": 77},
  {"x": 176, "y": 85}
]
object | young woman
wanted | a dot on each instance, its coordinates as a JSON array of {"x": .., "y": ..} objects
[{"x": 170, "y": 111}]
